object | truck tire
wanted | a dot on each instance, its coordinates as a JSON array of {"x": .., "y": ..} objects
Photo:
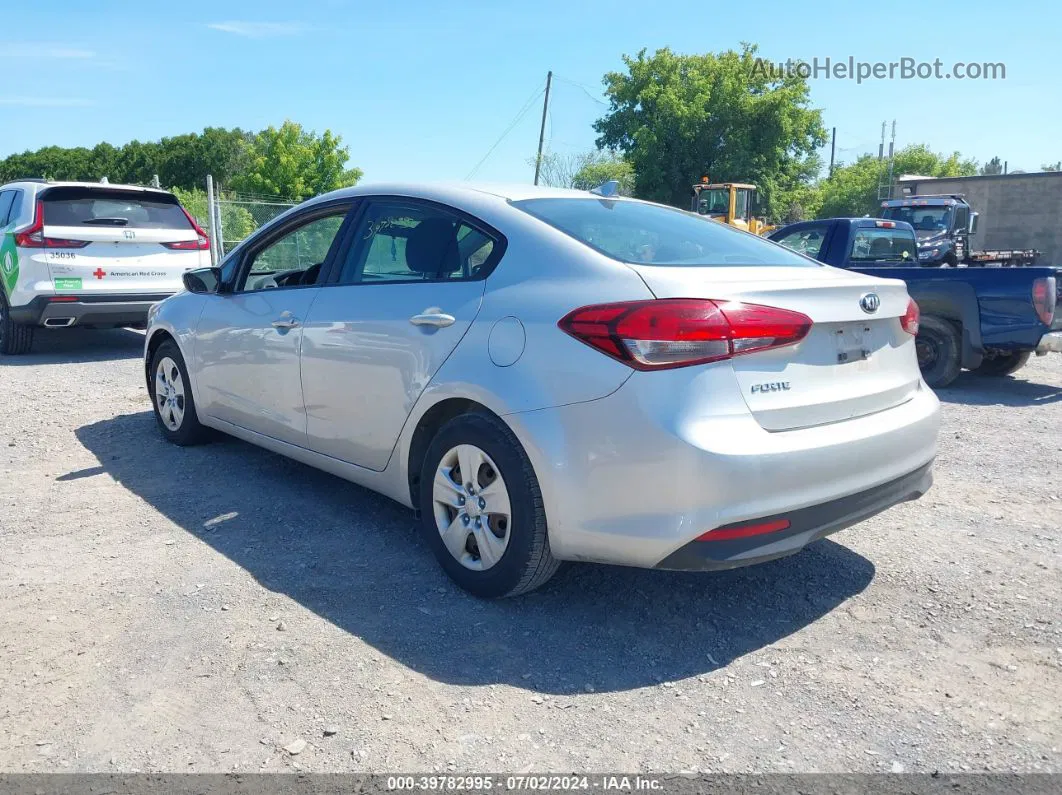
[
  {"x": 15, "y": 339},
  {"x": 938, "y": 346},
  {"x": 1004, "y": 364}
]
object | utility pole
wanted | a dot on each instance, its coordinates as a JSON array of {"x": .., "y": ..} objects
[
  {"x": 833, "y": 148},
  {"x": 542, "y": 129},
  {"x": 892, "y": 148},
  {"x": 881, "y": 146}
]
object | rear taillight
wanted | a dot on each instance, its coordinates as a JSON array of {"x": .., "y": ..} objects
[
  {"x": 678, "y": 332},
  {"x": 909, "y": 321},
  {"x": 1044, "y": 299},
  {"x": 33, "y": 235},
  {"x": 201, "y": 243}
]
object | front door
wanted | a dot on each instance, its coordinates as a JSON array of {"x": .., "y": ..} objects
[
  {"x": 408, "y": 289},
  {"x": 249, "y": 339}
]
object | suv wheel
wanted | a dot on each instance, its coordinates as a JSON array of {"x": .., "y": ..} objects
[{"x": 15, "y": 338}]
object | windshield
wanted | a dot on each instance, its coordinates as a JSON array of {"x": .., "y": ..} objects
[
  {"x": 714, "y": 202},
  {"x": 639, "y": 232},
  {"x": 927, "y": 221},
  {"x": 883, "y": 245},
  {"x": 78, "y": 206}
]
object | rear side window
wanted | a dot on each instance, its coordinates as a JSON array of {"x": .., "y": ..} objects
[
  {"x": 642, "y": 233},
  {"x": 883, "y": 245},
  {"x": 101, "y": 207},
  {"x": 6, "y": 198},
  {"x": 807, "y": 241}
]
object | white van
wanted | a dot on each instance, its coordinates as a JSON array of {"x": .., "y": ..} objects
[{"x": 89, "y": 254}]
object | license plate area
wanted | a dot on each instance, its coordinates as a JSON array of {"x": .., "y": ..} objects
[{"x": 854, "y": 343}]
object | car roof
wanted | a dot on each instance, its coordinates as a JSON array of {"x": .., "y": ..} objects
[
  {"x": 455, "y": 192},
  {"x": 42, "y": 184}
]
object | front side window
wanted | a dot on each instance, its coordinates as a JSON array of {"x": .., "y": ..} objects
[
  {"x": 295, "y": 258},
  {"x": 807, "y": 241},
  {"x": 639, "y": 232},
  {"x": 403, "y": 242}
]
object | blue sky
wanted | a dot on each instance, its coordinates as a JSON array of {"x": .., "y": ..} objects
[{"x": 424, "y": 89}]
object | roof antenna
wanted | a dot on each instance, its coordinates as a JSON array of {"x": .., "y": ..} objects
[{"x": 609, "y": 189}]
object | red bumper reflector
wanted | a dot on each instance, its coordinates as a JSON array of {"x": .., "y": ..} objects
[
  {"x": 55, "y": 299},
  {"x": 744, "y": 531}
]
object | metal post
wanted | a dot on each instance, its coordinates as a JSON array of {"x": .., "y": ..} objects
[
  {"x": 211, "y": 226},
  {"x": 542, "y": 129},
  {"x": 833, "y": 148}
]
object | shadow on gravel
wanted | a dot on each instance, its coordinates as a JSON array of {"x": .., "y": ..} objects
[
  {"x": 353, "y": 558},
  {"x": 977, "y": 390},
  {"x": 61, "y": 346}
]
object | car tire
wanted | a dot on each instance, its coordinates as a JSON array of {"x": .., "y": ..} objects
[
  {"x": 175, "y": 409},
  {"x": 15, "y": 338},
  {"x": 515, "y": 556},
  {"x": 1004, "y": 364},
  {"x": 939, "y": 351}
]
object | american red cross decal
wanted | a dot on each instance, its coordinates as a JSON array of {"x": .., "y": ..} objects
[{"x": 99, "y": 273}]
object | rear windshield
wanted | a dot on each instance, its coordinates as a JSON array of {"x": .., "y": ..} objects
[
  {"x": 101, "y": 207},
  {"x": 883, "y": 245},
  {"x": 638, "y": 232}
]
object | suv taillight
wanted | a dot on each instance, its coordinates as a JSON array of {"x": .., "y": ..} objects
[
  {"x": 678, "y": 332},
  {"x": 1044, "y": 299},
  {"x": 910, "y": 318},
  {"x": 33, "y": 235},
  {"x": 201, "y": 243}
]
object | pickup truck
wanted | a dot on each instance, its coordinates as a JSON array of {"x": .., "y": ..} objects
[{"x": 988, "y": 320}]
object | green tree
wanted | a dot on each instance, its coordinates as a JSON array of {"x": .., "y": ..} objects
[
  {"x": 1052, "y": 166},
  {"x": 993, "y": 166},
  {"x": 678, "y": 117},
  {"x": 292, "y": 163},
  {"x": 853, "y": 189},
  {"x": 606, "y": 166}
]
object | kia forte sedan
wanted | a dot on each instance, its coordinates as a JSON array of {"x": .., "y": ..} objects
[{"x": 547, "y": 375}]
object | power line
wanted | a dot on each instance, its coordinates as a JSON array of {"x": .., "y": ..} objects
[
  {"x": 582, "y": 88},
  {"x": 516, "y": 120}
]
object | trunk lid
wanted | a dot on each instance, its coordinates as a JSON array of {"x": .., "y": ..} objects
[
  {"x": 852, "y": 362},
  {"x": 123, "y": 231}
]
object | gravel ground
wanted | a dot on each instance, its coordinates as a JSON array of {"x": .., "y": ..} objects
[{"x": 206, "y": 609}]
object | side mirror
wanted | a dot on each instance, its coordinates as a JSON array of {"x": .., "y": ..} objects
[
  {"x": 973, "y": 223},
  {"x": 202, "y": 280}
]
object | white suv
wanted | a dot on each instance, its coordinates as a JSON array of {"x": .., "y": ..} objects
[{"x": 89, "y": 254}]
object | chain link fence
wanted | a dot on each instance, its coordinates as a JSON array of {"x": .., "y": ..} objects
[{"x": 236, "y": 217}]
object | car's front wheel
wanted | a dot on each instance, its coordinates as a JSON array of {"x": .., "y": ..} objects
[
  {"x": 481, "y": 509},
  {"x": 171, "y": 397}
]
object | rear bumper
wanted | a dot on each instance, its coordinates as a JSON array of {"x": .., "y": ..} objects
[
  {"x": 87, "y": 310},
  {"x": 805, "y": 526},
  {"x": 1050, "y": 343},
  {"x": 635, "y": 477}
]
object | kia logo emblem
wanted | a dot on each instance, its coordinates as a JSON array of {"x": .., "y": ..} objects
[
  {"x": 869, "y": 303},
  {"x": 129, "y": 234}
]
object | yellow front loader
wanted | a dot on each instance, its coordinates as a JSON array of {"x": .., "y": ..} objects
[{"x": 730, "y": 203}]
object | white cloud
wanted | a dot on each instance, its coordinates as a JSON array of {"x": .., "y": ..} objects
[
  {"x": 21, "y": 49},
  {"x": 260, "y": 30},
  {"x": 46, "y": 102}
]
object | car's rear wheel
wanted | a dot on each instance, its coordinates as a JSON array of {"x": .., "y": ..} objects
[
  {"x": 1004, "y": 364},
  {"x": 171, "y": 397},
  {"x": 481, "y": 509},
  {"x": 939, "y": 351},
  {"x": 15, "y": 338}
]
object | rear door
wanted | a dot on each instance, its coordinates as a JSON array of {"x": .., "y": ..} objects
[
  {"x": 408, "y": 289},
  {"x": 103, "y": 240}
]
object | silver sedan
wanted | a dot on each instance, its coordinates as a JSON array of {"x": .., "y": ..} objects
[{"x": 548, "y": 375}]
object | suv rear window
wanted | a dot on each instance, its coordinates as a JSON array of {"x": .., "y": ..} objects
[
  {"x": 651, "y": 234},
  {"x": 102, "y": 207}
]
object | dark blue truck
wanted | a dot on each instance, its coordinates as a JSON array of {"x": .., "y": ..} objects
[{"x": 988, "y": 320}]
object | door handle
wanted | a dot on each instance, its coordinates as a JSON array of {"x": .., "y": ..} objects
[
  {"x": 433, "y": 316},
  {"x": 286, "y": 321}
]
